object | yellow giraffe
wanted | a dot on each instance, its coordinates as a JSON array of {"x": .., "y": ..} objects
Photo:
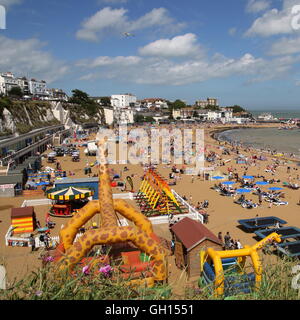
[
  {"x": 217, "y": 256},
  {"x": 141, "y": 235}
]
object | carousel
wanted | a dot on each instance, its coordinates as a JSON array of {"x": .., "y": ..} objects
[{"x": 68, "y": 200}]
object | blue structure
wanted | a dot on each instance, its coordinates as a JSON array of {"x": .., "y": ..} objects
[
  {"x": 290, "y": 249},
  {"x": 286, "y": 233},
  {"x": 260, "y": 223},
  {"x": 91, "y": 183},
  {"x": 233, "y": 282}
]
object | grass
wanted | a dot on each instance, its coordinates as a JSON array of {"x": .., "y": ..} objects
[
  {"x": 50, "y": 284},
  {"x": 276, "y": 284}
]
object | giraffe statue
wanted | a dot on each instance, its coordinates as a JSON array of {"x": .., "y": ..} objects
[{"x": 141, "y": 235}]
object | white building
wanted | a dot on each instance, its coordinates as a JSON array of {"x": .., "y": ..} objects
[
  {"x": 123, "y": 100},
  {"x": 38, "y": 88},
  {"x": 24, "y": 85},
  {"x": 118, "y": 115},
  {"x": 7, "y": 82},
  {"x": 154, "y": 102}
]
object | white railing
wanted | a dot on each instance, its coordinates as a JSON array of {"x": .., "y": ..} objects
[
  {"x": 36, "y": 202},
  {"x": 192, "y": 211}
]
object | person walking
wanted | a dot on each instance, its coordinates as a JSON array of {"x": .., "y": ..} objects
[
  {"x": 227, "y": 240},
  {"x": 32, "y": 242}
]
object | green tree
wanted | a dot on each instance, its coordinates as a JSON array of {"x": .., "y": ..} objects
[
  {"x": 237, "y": 109},
  {"x": 105, "y": 101},
  {"x": 178, "y": 104},
  {"x": 212, "y": 108},
  {"x": 15, "y": 92}
]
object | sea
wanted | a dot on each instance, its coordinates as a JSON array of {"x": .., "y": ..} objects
[{"x": 285, "y": 141}]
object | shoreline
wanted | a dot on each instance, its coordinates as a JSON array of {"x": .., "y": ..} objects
[{"x": 214, "y": 131}]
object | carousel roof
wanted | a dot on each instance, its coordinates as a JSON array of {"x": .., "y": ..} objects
[{"x": 70, "y": 193}]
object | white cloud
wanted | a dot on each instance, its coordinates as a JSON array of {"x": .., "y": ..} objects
[
  {"x": 26, "y": 57},
  {"x": 285, "y": 46},
  {"x": 164, "y": 71},
  {"x": 110, "y": 21},
  {"x": 274, "y": 21},
  {"x": 255, "y": 6},
  {"x": 180, "y": 46}
]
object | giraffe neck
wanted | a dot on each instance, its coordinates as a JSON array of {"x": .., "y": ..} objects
[{"x": 107, "y": 211}]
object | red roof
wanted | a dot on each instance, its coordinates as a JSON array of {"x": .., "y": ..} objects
[
  {"x": 22, "y": 212},
  {"x": 191, "y": 233}
]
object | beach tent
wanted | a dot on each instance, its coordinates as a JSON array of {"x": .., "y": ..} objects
[
  {"x": 70, "y": 193},
  {"x": 23, "y": 220}
]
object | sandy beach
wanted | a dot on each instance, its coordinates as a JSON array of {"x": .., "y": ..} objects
[{"x": 223, "y": 212}]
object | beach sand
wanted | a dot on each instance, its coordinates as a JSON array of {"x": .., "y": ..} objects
[{"x": 223, "y": 213}]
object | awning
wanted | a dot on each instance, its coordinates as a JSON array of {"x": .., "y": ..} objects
[{"x": 70, "y": 193}]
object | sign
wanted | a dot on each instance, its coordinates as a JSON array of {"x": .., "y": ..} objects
[{"x": 7, "y": 186}]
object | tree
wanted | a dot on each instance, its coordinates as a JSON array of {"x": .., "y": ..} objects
[
  {"x": 212, "y": 108},
  {"x": 15, "y": 92},
  {"x": 236, "y": 109},
  {"x": 79, "y": 97},
  {"x": 178, "y": 104},
  {"x": 105, "y": 101}
]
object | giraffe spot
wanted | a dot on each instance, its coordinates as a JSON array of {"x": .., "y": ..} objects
[
  {"x": 104, "y": 236},
  {"x": 95, "y": 239},
  {"x": 124, "y": 235},
  {"x": 77, "y": 246},
  {"x": 88, "y": 243},
  {"x": 150, "y": 242}
]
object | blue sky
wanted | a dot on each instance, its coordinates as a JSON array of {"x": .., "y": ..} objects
[{"x": 244, "y": 52}]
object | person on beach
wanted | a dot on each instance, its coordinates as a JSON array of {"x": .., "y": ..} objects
[
  {"x": 32, "y": 243},
  {"x": 220, "y": 237}
]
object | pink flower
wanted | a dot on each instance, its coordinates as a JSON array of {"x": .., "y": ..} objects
[
  {"x": 106, "y": 270},
  {"x": 85, "y": 270}
]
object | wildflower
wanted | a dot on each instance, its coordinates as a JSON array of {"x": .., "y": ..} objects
[
  {"x": 49, "y": 259},
  {"x": 39, "y": 293},
  {"x": 85, "y": 270},
  {"x": 106, "y": 270}
]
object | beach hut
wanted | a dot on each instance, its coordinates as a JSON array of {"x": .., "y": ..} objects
[
  {"x": 23, "y": 220},
  {"x": 190, "y": 238}
]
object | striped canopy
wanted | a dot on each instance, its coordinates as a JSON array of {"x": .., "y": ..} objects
[{"x": 70, "y": 193}]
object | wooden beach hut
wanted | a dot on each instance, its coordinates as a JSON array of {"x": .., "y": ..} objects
[
  {"x": 190, "y": 238},
  {"x": 23, "y": 219}
]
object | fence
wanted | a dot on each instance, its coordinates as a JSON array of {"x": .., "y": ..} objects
[
  {"x": 193, "y": 213},
  {"x": 36, "y": 202}
]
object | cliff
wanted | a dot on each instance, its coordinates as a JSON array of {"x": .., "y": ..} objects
[{"x": 19, "y": 117}]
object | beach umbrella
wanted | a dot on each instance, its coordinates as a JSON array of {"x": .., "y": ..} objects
[
  {"x": 262, "y": 183},
  {"x": 228, "y": 182},
  {"x": 43, "y": 183},
  {"x": 218, "y": 178},
  {"x": 70, "y": 193},
  {"x": 248, "y": 177},
  {"x": 275, "y": 189},
  {"x": 243, "y": 190}
]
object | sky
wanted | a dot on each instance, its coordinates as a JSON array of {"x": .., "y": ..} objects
[{"x": 244, "y": 52}]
